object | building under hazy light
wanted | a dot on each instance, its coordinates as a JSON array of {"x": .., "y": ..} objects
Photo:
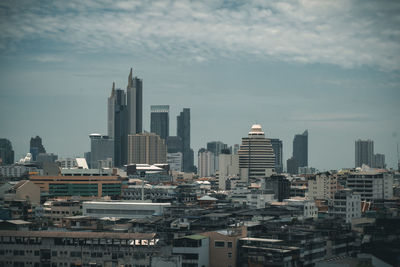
[
  {"x": 146, "y": 148},
  {"x": 256, "y": 156},
  {"x": 364, "y": 153},
  {"x": 159, "y": 120}
]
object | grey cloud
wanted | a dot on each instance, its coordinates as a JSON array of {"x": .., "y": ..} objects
[{"x": 344, "y": 33}]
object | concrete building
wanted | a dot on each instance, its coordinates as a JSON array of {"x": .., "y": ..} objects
[
  {"x": 134, "y": 93},
  {"x": 277, "y": 146},
  {"x": 146, "y": 148},
  {"x": 159, "y": 120},
  {"x": 279, "y": 185},
  {"x": 194, "y": 249},
  {"x": 56, "y": 210},
  {"x": 292, "y": 166},
  {"x": 216, "y": 147},
  {"x": 80, "y": 182},
  {"x": 224, "y": 246},
  {"x": 379, "y": 161},
  {"x": 308, "y": 206},
  {"x": 6, "y": 152},
  {"x": 41, "y": 158},
  {"x": 371, "y": 184},
  {"x": 23, "y": 190},
  {"x": 256, "y": 156},
  {"x": 101, "y": 148},
  {"x": 175, "y": 161},
  {"x": 364, "y": 153},
  {"x": 300, "y": 149},
  {"x": 323, "y": 186},
  {"x": 155, "y": 193},
  {"x": 346, "y": 205},
  {"x": 206, "y": 167},
  {"x": 119, "y": 126},
  {"x": 123, "y": 209},
  {"x": 14, "y": 171},
  {"x": 228, "y": 167},
  {"x": 183, "y": 131},
  {"x": 58, "y": 248},
  {"x": 174, "y": 144}
]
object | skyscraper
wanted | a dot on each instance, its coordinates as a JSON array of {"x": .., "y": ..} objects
[
  {"x": 216, "y": 147},
  {"x": 111, "y": 113},
  {"x": 256, "y": 155},
  {"x": 134, "y": 103},
  {"x": 278, "y": 151},
  {"x": 379, "y": 161},
  {"x": 174, "y": 144},
  {"x": 300, "y": 149},
  {"x": 183, "y": 131},
  {"x": 6, "y": 152},
  {"x": 146, "y": 148},
  {"x": 206, "y": 167},
  {"x": 159, "y": 120},
  {"x": 364, "y": 153},
  {"x": 101, "y": 148},
  {"x": 36, "y": 147},
  {"x": 120, "y": 128}
]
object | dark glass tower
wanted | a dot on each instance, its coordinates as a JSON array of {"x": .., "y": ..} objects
[
  {"x": 134, "y": 93},
  {"x": 36, "y": 147},
  {"x": 183, "y": 131},
  {"x": 159, "y": 120},
  {"x": 300, "y": 149},
  {"x": 120, "y": 128},
  {"x": 278, "y": 150},
  {"x": 6, "y": 152}
]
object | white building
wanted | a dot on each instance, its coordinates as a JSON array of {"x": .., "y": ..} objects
[
  {"x": 346, "y": 205},
  {"x": 323, "y": 186},
  {"x": 228, "y": 167},
  {"x": 371, "y": 184},
  {"x": 195, "y": 250},
  {"x": 68, "y": 163},
  {"x": 123, "y": 209},
  {"x": 256, "y": 155},
  {"x": 206, "y": 167},
  {"x": 310, "y": 210},
  {"x": 18, "y": 170},
  {"x": 175, "y": 161}
]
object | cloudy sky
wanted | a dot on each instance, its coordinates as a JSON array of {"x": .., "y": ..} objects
[{"x": 332, "y": 67}]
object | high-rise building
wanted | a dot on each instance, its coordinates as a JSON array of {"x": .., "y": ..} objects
[
  {"x": 292, "y": 166},
  {"x": 364, "y": 153},
  {"x": 256, "y": 156},
  {"x": 146, "y": 148},
  {"x": 111, "y": 113},
  {"x": 379, "y": 161},
  {"x": 174, "y": 144},
  {"x": 101, "y": 148},
  {"x": 135, "y": 104},
  {"x": 183, "y": 131},
  {"x": 228, "y": 168},
  {"x": 36, "y": 147},
  {"x": 120, "y": 127},
  {"x": 300, "y": 149},
  {"x": 206, "y": 167},
  {"x": 174, "y": 161},
  {"x": 6, "y": 152},
  {"x": 159, "y": 120},
  {"x": 278, "y": 151},
  {"x": 216, "y": 148}
]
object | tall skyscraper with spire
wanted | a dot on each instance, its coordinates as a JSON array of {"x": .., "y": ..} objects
[
  {"x": 124, "y": 116},
  {"x": 134, "y": 93}
]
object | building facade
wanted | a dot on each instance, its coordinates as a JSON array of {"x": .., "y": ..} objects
[
  {"x": 300, "y": 149},
  {"x": 101, "y": 148},
  {"x": 146, "y": 148},
  {"x": 371, "y": 185},
  {"x": 159, "y": 120},
  {"x": 6, "y": 152},
  {"x": 183, "y": 131},
  {"x": 206, "y": 167},
  {"x": 228, "y": 167},
  {"x": 36, "y": 147},
  {"x": 277, "y": 146},
  {"x": 346, "y": 205},
  {"x": 364, "y": 153},
  {"x": 134, "y": 93},
  {"x": 216, "y": 147},
  {"x": 256, "y": 155},
  {"x": 175, "y": 161}
]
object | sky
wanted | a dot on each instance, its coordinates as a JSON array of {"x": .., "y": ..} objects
[{"x": 332, "y": 67}]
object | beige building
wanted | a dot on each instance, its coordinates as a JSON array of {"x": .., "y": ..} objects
[
  {"x": 24, "y": 190},
  {"x": 323, "y": 186},
  {"x": 223, "y": 246},
  {"x": 146, "y": 148},
  {"x": 56, "y": 210}
]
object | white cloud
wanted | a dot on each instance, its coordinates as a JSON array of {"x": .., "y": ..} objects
[{"x": 344, "y": 33}]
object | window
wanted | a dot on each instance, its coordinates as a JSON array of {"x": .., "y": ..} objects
[
  {"x": 229, "y": 244},
  {"x": 54, "y": 253},
  {"x": 230, "y": 255},
  {"x": 219, "y": 244}
]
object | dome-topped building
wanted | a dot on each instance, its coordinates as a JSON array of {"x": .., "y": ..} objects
[{"x": 256, "y": 156}]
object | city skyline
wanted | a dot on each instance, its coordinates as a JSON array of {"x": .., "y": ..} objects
[{"x": 340, "y": 91}]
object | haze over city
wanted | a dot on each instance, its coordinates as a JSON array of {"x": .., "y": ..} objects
[{"x": 329, "y": 67}]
